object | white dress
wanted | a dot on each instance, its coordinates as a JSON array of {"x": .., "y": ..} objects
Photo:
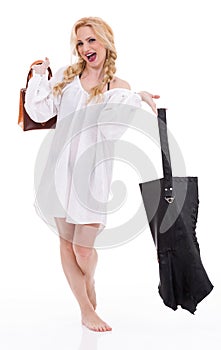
[{"x": 74, "y": 181}]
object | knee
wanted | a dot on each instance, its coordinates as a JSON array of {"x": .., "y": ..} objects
[
  {"x": 65, "y": 245},
  {"x": 83, "y": 252}
]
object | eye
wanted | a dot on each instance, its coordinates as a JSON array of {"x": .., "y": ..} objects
[
  {"x": 91, "y": 40},
  {"x": 79, "y": 43}
]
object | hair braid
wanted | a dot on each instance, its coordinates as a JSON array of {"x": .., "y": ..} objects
[
  {"x": 109, "y": 70},
  {"x": 69, "y": 75}
]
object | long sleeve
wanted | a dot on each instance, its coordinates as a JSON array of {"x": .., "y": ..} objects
[
  {"x": 40, "y": 103},
  {"x": 117, "y": 114}
]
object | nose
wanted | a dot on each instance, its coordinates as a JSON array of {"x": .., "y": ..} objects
[{"x": 86, "y": 48}]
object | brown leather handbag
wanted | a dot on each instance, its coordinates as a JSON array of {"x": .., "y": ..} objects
[{"x": 24, "y": 121}]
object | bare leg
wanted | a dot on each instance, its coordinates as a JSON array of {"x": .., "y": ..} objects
[
  {"x": 76, "y": 278},
  {"x": 87, "y": 256},
  {"x": 87, "y": 261}
]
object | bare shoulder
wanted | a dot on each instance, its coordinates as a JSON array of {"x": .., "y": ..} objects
[{"x": 119, "y": 83}]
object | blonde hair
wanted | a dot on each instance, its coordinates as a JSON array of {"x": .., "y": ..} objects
[{"x": 105, "y": 35}]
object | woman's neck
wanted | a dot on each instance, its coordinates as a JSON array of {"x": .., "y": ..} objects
[{"x": 93, "y": 74}]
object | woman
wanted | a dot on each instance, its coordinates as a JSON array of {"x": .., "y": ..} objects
[{"x": 89, "y": 82}]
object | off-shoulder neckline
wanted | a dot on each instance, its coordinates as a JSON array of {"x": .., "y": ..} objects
[{"x": 105, "y": 92}]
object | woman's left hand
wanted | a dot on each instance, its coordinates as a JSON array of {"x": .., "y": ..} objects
[{"x": 148, "y": 98}]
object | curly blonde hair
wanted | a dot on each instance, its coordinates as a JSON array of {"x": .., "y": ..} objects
[{"x": 105, "y": 35}]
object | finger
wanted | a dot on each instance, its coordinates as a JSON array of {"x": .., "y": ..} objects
[
  {"x": 47, "y": 60},
  {"x": 154, "y": 107},
  {"x": 155, "y": 96},
  {"x": 45, "y": 64}
]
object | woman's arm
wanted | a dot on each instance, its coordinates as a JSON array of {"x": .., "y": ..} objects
[
  {"x": 148, "y": 98},
  {"x": 145, "y": 96},
  {"x": 39, "y": 100}
]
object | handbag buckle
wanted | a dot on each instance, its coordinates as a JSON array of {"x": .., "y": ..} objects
[
  {"x": 168, "y": 194},
  {"x": 169, "y": 199}
]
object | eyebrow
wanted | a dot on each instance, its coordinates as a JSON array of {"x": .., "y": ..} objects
[{"x": 89, "y": 37}]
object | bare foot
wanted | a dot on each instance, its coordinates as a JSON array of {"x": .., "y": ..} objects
[
  {"x": 91, "y": 293},
  {"x": 93, "y": 322}
]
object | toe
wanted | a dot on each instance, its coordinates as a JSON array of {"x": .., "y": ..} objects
[
  {"x": 100, "y": 328},
  {"x": 108, "y": 327},
  {"x": 95, "y": 328},
  {"x": 105, "y": 328}
]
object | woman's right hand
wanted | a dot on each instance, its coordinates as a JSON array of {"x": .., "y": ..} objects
[
  {"x": 41, "y": 68},
  {"x": 148, "y": 98}
]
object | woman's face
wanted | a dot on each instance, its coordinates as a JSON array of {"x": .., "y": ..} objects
[{"x": 89, "y": 48}]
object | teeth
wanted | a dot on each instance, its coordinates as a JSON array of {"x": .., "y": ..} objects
[{"x": 90, "y": 54}]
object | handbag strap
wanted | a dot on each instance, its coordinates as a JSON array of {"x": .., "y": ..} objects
[
  {"x": 165, "y": 152},
  {"x": 30, "y": 73}
]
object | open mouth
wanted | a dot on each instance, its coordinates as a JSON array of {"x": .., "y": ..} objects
[{"x": 91, "y": 56}]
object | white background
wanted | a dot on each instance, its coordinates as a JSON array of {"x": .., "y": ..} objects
[{"x": 166, "y": 47}]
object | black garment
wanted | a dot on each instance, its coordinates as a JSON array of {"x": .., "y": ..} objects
[
  {"x": 183, "y": 278},
  {"x": 171, "y": 205}
]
